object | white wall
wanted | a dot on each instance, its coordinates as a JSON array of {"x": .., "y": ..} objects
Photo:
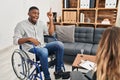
[
  {"x": 56, "y": 6},
  {"x": 118, "y": 16},
  {"x": 13, "y": 11}
]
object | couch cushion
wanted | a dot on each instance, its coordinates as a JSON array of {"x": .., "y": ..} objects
[
  {"x": 98, "y": 34},
  {"x": 86, "y": 46},
  {"x": 84, "y": 34},
  {"x": 94, "y": 49},
  {"x": 69, "y": 48},
  {"x": 69, "y": 58},
  {"x": 65, "y": 33}
]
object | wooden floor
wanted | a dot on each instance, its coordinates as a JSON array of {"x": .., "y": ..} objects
[{"x": 6, "y": 71}]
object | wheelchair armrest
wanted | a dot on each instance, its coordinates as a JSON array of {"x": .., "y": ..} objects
[
  {"x": 20, "y": 46},
  {"x": 48, "y": 38}
]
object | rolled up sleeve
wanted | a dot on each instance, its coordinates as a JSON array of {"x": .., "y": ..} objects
[{"x": 18, "y": 32}]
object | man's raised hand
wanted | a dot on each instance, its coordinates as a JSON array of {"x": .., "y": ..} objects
[{"x": 50, "y": 14}]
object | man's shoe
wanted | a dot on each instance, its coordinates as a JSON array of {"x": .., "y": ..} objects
[
  {"x": 58, "y": 75},
  {"x": 48, "y": 79},
  {"x": 65, "y": 75},
  {"x": 61, "y": 74}
]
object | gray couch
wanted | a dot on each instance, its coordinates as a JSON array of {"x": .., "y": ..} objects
[{"x": 86, "y": 38}]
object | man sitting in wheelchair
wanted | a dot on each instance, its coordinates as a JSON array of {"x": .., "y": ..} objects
[{"x": 32, "y": 30}]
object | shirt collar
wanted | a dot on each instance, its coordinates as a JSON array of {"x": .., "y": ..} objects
[{"x": 31, "y": 23}]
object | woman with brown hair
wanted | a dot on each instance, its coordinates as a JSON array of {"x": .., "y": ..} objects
[{"x": 108, "y": 57}]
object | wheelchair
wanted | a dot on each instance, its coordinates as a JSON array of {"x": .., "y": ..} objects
[{"x": 27, "y": 67}]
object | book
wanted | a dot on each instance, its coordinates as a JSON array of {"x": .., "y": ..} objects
[
  {"x": 82, "y": 16},
  {"x": 84, "y": 3},
  {"x": 73, "y": 3},
  {"x": 92, "y": 3},
  {"x": 66, "y": 3},
  {"x": 89, "y": 65},
  {"x": 110, "y": 3}
]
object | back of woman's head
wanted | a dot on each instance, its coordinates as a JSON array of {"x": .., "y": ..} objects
[{"x": 108, "y": 55}]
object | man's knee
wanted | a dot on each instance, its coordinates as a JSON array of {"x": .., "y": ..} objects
[
  {"x": 43, "y": 52},
  {"x": 60, "y": 44}
]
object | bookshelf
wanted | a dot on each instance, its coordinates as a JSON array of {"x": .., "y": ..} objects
[{"x": 92, "y": 13}]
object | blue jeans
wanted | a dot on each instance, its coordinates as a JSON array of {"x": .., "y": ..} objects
[{"x": 56, "y": 47}]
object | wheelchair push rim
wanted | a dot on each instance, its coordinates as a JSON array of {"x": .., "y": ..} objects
[{"x": 20, "y": 66}]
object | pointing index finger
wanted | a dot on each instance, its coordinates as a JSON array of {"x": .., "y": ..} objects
[{"x": 50, "y": 9}]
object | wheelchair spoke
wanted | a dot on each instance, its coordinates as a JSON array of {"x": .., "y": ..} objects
[{"x": 19, "y": 65}]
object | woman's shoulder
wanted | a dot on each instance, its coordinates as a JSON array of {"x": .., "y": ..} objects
[{"x": 91, "y": 75}]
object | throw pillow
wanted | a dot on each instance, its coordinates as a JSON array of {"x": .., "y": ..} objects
[{"x": 65, "y": 33}]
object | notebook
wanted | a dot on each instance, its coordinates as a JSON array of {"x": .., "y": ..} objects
[{"x": 89, "y": 65}]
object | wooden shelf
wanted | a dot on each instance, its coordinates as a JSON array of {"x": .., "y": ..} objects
[
  {"x": 69, "y": 9},
  {"x": 87, "y": 23},
  {"x": 69, "y": 23},
  {"x": 88, "y": 16},
  {"x": 87, "y": 9},
  {"x": 104, "y": 24},
  {"x": 107, "y": 8}
]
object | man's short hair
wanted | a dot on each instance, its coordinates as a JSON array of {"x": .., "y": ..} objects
[{"x": 33, "y": 7}]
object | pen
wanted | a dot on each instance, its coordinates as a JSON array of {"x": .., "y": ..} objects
[{"x": 91, "y": 66}]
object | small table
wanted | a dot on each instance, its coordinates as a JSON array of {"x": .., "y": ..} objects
[{"x": 78, "y": 58}]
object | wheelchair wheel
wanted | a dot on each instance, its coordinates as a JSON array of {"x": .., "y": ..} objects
[{"x": 20, "y": 64}]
